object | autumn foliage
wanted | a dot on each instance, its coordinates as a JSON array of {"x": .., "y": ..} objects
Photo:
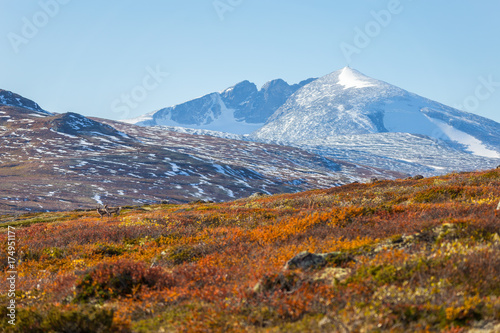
[{"x": 424, "y": 255}]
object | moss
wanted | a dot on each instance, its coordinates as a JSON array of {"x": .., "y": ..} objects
[
  {"x": 338, "y": 258},
  {"x": 81, "y": 320},
  {"x": 54, "y": 252},
  {"x": 184, "y": 254},
  {"x": 438, "y": 194}
]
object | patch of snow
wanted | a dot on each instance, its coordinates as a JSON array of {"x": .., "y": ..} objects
[
  {"x": 349, "y": 79},
  {"x": 97, "y": 198},
  {"x": 474, "y": 145}
]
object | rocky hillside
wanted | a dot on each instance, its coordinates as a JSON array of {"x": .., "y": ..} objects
[
  {"x": 68, "y": 161},
  {"x": 390, "y": 256}
]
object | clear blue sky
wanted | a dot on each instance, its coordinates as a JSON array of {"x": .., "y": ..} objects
[{"x": 83, "y": 56}]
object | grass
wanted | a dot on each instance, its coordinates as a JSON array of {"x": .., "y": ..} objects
[{"x": 407, "y": 256}]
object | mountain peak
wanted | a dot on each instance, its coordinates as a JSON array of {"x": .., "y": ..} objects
[
  {"x": 347, "y": 102},
  {"x": 76, "y": 124},
  {"x": 11, "y": 99},
  {"x": 351, "y": 78}
]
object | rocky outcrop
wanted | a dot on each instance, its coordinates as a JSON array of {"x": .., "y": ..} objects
[{"x": 306, "y": 260}]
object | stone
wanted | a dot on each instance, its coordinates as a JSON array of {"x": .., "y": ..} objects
[
  {"x": 418, "y": 177},
  {"x": 306, "y": 260},
  {"x": 498, "y": 207},
  {"x": 333, "y": 275},
  {"x": 373, "y": 180}
]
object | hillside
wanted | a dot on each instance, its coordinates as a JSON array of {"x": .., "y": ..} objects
[
  {"x": 68, "y": 161},
  {"x": 400, "y": 256}
]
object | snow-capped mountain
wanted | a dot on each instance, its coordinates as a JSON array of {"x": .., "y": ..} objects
[
  {"x": 240, "y": 109},
  {"x": 68, "y": 161},
  {"x": 347, "y": 102}
]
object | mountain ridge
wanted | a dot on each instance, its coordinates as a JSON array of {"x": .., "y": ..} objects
[{"x": 241, "y": 107}]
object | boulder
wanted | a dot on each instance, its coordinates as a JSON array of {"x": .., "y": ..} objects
[
  {"x": 418, "y": 177},
  {"x": 333, "y": 275},
  {"x": 306, "y": 260}
]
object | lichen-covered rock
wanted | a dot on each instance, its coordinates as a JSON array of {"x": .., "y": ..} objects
[{"x": 333, "y": 275}]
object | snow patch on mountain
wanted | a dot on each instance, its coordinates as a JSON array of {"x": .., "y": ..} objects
[
  {"x": 349, "y": 79},
  {"x": 475, "y": 146}
]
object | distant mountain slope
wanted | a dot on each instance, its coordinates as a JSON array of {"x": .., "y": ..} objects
[
  {"x": 404, "y": 152},
  {"x": 240, "y": 109},
  {"x": 347, "y": 102},
  {"x": 68, "y": 161},
  {"x": 9, "y": 98}
]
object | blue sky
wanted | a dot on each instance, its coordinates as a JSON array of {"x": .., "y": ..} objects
[{"x": 120, "y": 59}]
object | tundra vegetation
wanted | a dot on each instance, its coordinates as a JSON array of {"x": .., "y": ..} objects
[{"x": 401, "y": 256}]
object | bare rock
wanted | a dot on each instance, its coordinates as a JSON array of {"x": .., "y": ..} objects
[
  {"x": 306, "y": 260},
  {"x": 333, "y": 275}
]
